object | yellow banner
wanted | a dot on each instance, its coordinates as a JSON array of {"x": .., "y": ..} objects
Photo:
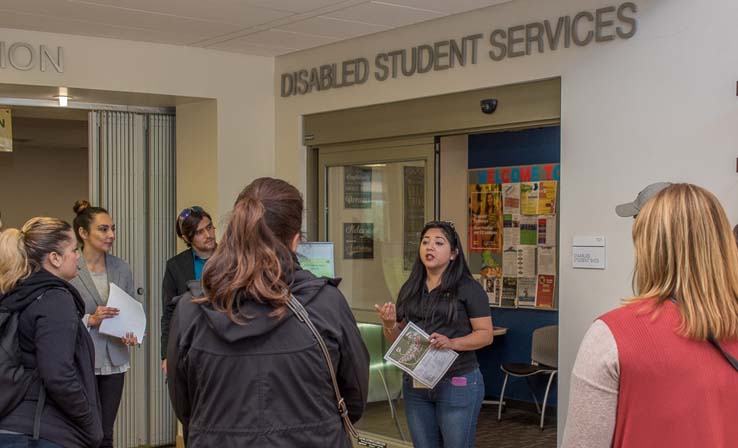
[{"x": 6, "y": 131}]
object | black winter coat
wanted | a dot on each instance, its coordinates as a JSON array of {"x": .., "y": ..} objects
[
  {"x": 57, "y": 349},
  {"x": 266, "y": 383}
]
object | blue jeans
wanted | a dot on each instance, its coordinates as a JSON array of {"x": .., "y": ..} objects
[
  {"x": 24, "y": 441},
  {"x": 445, "y": 416}
]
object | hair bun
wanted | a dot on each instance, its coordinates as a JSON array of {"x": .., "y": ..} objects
[{"x": 80, "y": 206}]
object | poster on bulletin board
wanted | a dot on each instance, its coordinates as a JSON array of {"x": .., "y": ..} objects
[{"x": 513, "y": 213}]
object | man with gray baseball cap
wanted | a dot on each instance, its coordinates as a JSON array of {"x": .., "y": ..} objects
[{"x": 633, "y": 208}]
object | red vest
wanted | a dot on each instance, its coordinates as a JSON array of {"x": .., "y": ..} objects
[{"x": 674, "y": 392}]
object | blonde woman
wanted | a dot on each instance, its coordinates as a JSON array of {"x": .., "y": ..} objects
[
  {"x": 54, "y": 402},
  {"x": 658, "y": 372}
]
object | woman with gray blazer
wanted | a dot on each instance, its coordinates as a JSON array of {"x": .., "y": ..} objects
[{"x": 97, "y": 270}]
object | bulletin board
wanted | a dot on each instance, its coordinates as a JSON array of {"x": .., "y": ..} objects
[{"x": 512, "y": 234}]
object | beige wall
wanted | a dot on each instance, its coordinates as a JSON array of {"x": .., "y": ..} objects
[
  {"x": 660, "y": 105},
  {"x": 240, "y": 142},
  {"x": 454, "y": 181},
  {"x": 197, "y": 161},
  {"x": 41, "y": 182}
]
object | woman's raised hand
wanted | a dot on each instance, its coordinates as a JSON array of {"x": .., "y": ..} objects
[{"x": 388, "y": 314}]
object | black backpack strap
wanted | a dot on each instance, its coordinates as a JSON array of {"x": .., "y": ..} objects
[
  {"x": 39, "y": 410},
  {"x": 733, "y": 362}
]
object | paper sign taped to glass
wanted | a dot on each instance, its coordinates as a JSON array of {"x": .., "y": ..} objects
[{"x": 412, "y": 353}]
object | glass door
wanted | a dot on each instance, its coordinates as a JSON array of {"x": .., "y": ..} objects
[{"x": 374, "y": 202}]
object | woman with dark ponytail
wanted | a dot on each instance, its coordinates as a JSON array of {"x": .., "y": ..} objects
[
  {"x": 53, "y": 403},
  {"x": 243, "y": 370},
  {"x": 443, "y": 299},
  {"x": 95, "y": 233}
]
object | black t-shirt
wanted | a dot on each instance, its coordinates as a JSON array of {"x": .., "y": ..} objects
[{"x": 471, "y": 303}]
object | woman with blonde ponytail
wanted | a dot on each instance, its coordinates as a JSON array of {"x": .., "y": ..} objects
[
  {"x": 243, "y": 370},
  {"x": 662, "y": 370},
  {"x": 37, "y": 263}
]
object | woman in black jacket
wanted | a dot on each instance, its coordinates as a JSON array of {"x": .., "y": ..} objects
[
  {"x": 36, "y": 264},
  {"x": 243, "y": 370}
]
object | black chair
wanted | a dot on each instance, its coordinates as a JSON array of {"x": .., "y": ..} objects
[{"x": 544, "y": 361}]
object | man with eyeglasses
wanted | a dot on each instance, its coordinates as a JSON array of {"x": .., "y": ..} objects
[{"x": 195, "y": 226}]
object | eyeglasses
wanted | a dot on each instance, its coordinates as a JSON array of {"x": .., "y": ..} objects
[{"x": 188, "y": 211}]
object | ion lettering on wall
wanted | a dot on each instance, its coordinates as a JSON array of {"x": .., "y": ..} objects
[
  {"x": 581, "y": 29},
  {"x": 24, "y": 56}
]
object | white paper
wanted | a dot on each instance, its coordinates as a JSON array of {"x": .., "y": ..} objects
[
  {"x": 546, "y": 260},
  {"x": 510, "y": 262},
  {"x": 527, "y": 291},
  {"x": 411, "y": 352},
  {"x": 510, "y": 229},
  {"x": 526, "y": 258},
  {"x": 130, "y": 319},
  {"x": 511, "y": 198}
]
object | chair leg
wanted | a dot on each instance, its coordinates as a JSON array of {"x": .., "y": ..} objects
[
  {"x": 502, "y": 398},
  {"x": 533, "y": 394},
  {"x": 545, "y": 397}
]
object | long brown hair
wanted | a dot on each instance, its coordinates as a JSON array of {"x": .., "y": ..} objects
[
  {"x": 685, "y": 250},
  {"x": 253, "y": 260},
  {"x": 22, "y": 252}
]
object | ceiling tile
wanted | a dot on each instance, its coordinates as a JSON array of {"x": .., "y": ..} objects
[
  {"x": 235, "y": 12},
  {"x": 299, "y": 6},
  {"x": 50, "y": 24},
  {"x": 386, "y": 15},
  {"x": 444, "y": 6},
  {"x": 99, "y": 14},
  {"x": 331, "y": 27},
  {"x": 240, "y": 46},
  {"x": 285, "y": 39}
]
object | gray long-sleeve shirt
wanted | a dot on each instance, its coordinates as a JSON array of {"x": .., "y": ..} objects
[{"x": 593, "y": 397}]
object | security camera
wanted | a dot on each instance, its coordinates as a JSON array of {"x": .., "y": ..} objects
[{"x": 488, "y": 106}]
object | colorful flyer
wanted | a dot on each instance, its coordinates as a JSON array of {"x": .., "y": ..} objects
[
  {"x": 511, "y": 229},
  {"x": 529, "y": 230},
  {"x": 527, "y": 291},
  {"x": 493, "y": 287},
  {"x": 485, "y": 217},
  {"x": 509, "y": 292},
  {"x": 547, "y": 197},
  {"x": 547, "y": 230},
  {"x": 529, "y": 198},
  {"x": 412, "y": 353},
  {"x": 511, "y": 198},
  {"x": 545, "y": 291}
]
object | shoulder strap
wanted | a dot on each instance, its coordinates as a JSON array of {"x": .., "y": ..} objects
[
  {"x": 733, "y": 362},
  {"x": 296, "y": 307},
  {"x": 39, "y": 410}
]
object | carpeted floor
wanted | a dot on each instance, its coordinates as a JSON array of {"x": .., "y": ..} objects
[{"x": 518, "y": 428}]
